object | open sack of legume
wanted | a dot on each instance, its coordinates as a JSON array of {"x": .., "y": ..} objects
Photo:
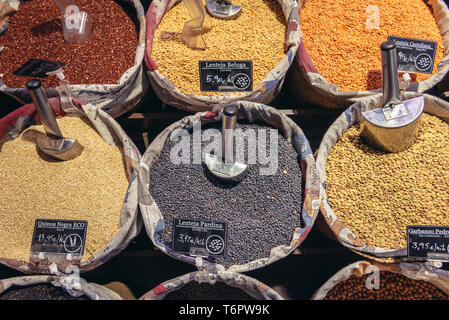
[
  {"x": 339, "y": 61},
  {"x": 365, "y": 280},
  {"x": 266, "y": 32},
  {"x": 221, "y": 285},
  {"x": 106, "y": 70},
  {"x": 51, "y": 287},
  {"x": 371, "y": 196},
  {"x": 97, "y": 188},
  {"x": 259, "y": 219}
]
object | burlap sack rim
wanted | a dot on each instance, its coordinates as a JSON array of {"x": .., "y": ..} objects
[
  {"x": 92, "y": 290},
  {"x": 249, "y": 285},
  {"x": 126, "y": 232},
  {"x": 156, "y": 77},
  {"x": 251, "y": 111},
  {"x": 332, "y": 91},
  {"x": 347, "y": 119},
  {"x": 418, "y": 271}
]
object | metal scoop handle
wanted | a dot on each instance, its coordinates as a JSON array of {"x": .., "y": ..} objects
[
  {"x": 44, "y": 110},
  {"x": 227, "y": 132},
  {"x": 391, "y": 92}
]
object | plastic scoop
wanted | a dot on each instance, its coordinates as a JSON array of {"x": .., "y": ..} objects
[
  {"x": 77, "y": 25},
  {"x": 223, "y": 9},
  {"x": 52, "y": 143},
  {"x": 195, "y": 28},
  {"x": 394, "y": 126},
  {"x": 63, "y": 4},
  {"x": 227, "y": 170}
]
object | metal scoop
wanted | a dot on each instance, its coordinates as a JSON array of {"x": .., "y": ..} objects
[
  {"x": 195, "y": 28},
  {"x": 394, "y": 126},
  {"x": 223, "y": 9},
  {"x": 52, "y": 143},
  {"x": 227, "y": 170}
]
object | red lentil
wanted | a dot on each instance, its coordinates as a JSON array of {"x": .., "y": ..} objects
[
  {"x": 347, "y": 53},
  {"x": 35, "y": 31}
]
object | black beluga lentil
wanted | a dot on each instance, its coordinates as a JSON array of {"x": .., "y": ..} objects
[
  {"x": 262, "y": 211},
  {"x": 205, "y": 291}
]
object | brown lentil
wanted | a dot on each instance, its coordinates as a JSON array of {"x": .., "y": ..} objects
[
  {"x": 35, "y": 31},
  {"x": 347, "y": 53},
  {"x": 39, "y": 292},
  {"x": 376, "y": 194},
  {"x": 392, "y": 287},
  {"x": 249, "y": 37},
  {"x": 90, "y": 187}
]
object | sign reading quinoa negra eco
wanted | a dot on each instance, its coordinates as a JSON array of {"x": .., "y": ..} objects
[
  {"x": 226, "y": 75},
  {"x": 415, "y": 55},
  {"x": 428, "y": 242},
  {"x": 59, "y": 236},
  {"x": 199, "y": 238}
]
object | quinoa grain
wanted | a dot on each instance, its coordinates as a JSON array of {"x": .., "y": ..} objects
[{"x": 35, "y": 31}]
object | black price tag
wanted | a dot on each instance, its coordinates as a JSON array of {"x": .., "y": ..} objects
[
  {"x": 428, "y": 242},
  {"x": 38, "y": 68},
  {"x": 199, "y": 238},
  {"x": 59, "y": 236},
  {"x": 415, "y": 55},
  {"x": 226, "y": 75}
]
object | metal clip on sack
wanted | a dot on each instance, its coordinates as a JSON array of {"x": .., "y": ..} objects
[
  {"x": 52, "y": 143},
  {"x": 394, "y": 126}
]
